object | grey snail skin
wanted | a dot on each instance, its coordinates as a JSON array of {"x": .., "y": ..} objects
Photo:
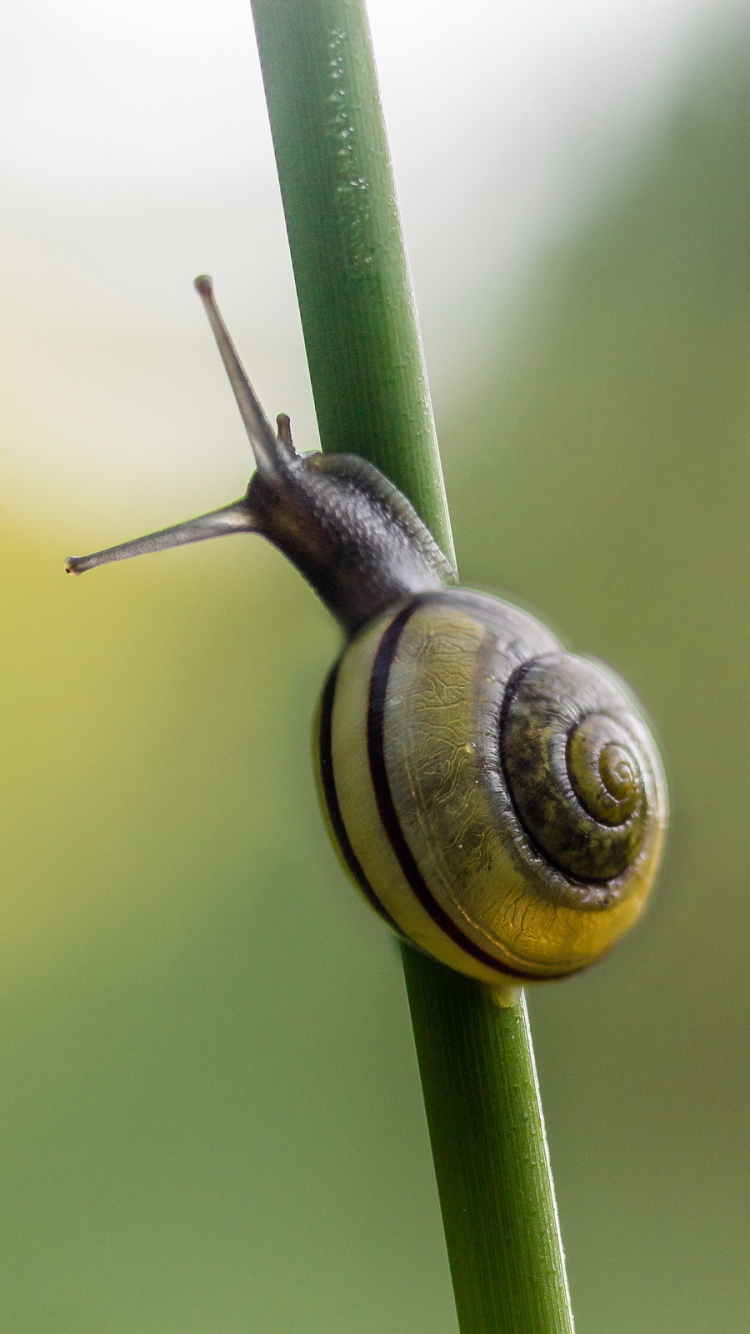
[{"x": 498, "y": 801}]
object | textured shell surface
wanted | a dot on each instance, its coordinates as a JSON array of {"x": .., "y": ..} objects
[{"x": 499, "y": 801}]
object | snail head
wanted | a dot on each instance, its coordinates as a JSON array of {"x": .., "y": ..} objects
[{"x": 349, "y": 531}]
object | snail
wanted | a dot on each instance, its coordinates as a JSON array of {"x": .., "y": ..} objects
[{"x": 498, "y": 801}]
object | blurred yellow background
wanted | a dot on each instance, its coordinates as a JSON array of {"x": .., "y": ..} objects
[{"x": 210, "y": 1119}]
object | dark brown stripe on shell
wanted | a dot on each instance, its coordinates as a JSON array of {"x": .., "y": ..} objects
[
  {"x": 328, "y": 782},
  {"x": 376, "y": 753}
]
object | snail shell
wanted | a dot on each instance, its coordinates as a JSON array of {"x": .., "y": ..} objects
[{"x": 499, "y": 801}]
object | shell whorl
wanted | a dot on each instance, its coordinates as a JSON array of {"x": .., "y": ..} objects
[
  {"x": 576, "y": 766},
  {"x": 499, "y": 800}
]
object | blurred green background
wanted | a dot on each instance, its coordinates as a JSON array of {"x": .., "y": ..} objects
[{"x": 210, "y": 1119}]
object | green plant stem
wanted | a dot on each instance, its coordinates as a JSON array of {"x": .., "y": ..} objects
[
  {"x": 358, "y": 318},
  {"x": 371, "y": 398},
  {"x": 491, "y": 1161}
]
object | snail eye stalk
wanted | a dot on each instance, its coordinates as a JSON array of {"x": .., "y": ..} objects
[
  {"x": 273, "y": 454},
  {"x": 236, "y": 518},
  {"x": 270, "y": 450}
]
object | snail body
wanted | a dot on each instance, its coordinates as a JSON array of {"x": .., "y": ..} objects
[{"x": 498, "y": 801}]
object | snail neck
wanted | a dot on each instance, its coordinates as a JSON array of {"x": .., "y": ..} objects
[{"x": 353, "y": 536}]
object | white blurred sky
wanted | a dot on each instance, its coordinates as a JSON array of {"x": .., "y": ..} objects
[{"x": 135, "y": 152}]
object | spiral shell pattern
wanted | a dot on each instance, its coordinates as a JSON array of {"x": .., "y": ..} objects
[
  {"x": 499, "y": 801},
  {"x": 574, "y": 766}
]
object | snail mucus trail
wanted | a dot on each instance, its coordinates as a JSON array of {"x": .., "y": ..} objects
[{"x": 498, "y": 801}]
